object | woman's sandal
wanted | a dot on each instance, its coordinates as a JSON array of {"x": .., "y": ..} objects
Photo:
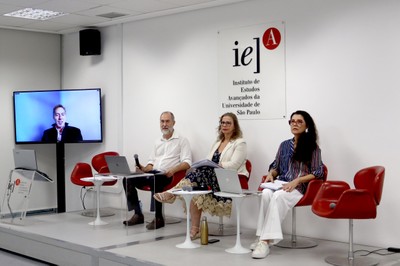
[
  {"x": 194, "y": 232},
  {"x": 165, "y": 197}
]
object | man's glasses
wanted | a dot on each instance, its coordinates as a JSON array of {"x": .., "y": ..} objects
[
  {"x": 296, "y": 122},
  {"x": 225, "y": 123}
]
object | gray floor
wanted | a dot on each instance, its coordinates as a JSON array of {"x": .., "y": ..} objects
[
  {"x": 159, "y": 247},
  {"x": 11, "y": 259}
]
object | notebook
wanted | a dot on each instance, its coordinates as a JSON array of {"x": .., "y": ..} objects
[
  {"x": 118, "y": 165},
  {"x": 276, "y": 185},
  {"x": 26, "y": 160},
  {"x": 228, "y": 181}
]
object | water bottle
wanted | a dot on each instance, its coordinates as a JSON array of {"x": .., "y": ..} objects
[{"x": 204, "y": 231}]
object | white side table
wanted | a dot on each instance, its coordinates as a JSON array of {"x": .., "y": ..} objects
[
  {"x": 188, "y": 195},
  {"x": 98, "y": 181},
  {"x": 237, "y": 200}
]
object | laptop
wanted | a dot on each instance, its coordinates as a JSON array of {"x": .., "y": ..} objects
[
  {"x": 228, "y": 181},
  {"x": 118, "y": 165},
  {"x": 26, "y": 160}
]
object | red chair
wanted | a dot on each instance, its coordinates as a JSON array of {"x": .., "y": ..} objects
[
  {"x": 306, "y": 200},
  {"x": 178, "y": 176},
  {"x": 244, "y": 180},
  {"x": 336, "y": 200},
  {"x": 85, "y": 170},
  {"x": 81, "y": 170},
  {"x": 221, "y": 231},
  {"x": 100, "y": 165}
]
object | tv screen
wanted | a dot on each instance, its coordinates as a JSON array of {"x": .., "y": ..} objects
[{"x": 51, "y": 116}]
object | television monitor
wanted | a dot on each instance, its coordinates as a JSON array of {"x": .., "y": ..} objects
[{"x": 38, "y": 114}]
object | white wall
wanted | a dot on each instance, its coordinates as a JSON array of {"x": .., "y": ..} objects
[
  {"x": 103, "y": 71},
  {"x": 28, "y": 61},
  {"x": 341, "y": 63}
]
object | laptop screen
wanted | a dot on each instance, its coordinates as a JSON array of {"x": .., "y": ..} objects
[{"x": 25, "y": 159}]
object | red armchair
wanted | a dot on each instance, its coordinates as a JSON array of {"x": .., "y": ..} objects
[
  {"x": 82, "y": 169},
  {"x": 175, "y": 180},
  {"x": 336, "y": 200},
  {"x": 100, "y": 165}
]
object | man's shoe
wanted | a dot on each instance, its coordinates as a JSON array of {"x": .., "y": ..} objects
[
  {"x": 136, "y": 219},
  {"x": 156, "y": 223},
  {"x": 261, "y": 251}
]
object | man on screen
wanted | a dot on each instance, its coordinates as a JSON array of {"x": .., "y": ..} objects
[{"x": 60, "y": 130}]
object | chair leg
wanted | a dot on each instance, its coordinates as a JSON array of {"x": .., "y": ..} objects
[
  {"x": 293, "y": 242},
  {"x": 221, "y": 230},
  {"x": 350, "y": 260}
]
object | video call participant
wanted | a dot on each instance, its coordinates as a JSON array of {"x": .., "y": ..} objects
[
  {"x": 60, "y": 130},
  {"x": 171, "y": 153},
  {"x": 297, "y": 161}
]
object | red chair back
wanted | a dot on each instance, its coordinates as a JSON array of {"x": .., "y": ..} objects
[
  {"x": 81, "y": 170},
  {"x": 100, "y": 165},
  {"x": 371, "y": 179},
  {"x": 312, "y": 189},
  {"x": 178, "y": 176},
  {"x": 99, "y": 162},
  {"x": 244, "y": 180}
]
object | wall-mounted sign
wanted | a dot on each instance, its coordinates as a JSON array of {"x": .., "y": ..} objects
[{"x": 251, "y": 71}]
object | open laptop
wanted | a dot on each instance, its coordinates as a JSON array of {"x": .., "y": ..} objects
[
  {"x": 26, "y": 160},
  {"x": 228, "y": 181},
  {"x": 118, "y": 165}
]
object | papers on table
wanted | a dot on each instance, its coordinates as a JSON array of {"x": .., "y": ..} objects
[{"x": 276, "y": 185}]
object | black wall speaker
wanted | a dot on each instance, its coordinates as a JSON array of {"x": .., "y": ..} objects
[{"x": 90, "y": 42}]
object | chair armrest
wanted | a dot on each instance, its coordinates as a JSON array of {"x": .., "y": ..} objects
[
  {"x": 312, "y": 190},
  {"x": 332, "y": 190},
  {"x": 104, "y": 169},
  {"x": 329, "y": 193},
  {"x": 262, "y": 181},
  {"x": 355, "y": 204},
  {"x": 178, "y": 176},
  {"x": 244, "y": 182}
]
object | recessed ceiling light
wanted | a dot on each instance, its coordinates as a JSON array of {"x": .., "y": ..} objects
[{"x": 37, "y": 14}]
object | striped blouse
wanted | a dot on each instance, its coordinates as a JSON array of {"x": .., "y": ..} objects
[{"x": 289, "y": 169}]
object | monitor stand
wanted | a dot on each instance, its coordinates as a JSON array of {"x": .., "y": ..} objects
[{"x": 60, "y": 156}]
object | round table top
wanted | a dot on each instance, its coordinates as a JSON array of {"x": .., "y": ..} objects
[
  {"x": 193, "y": 192},
  {"x": 235, "y": 195},
  {"x": 99, "y": 178}
]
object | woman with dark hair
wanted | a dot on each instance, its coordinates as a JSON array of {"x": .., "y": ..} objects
[
  {"x": 297, "y": 161},
  {"x": 230, "y": 152}
]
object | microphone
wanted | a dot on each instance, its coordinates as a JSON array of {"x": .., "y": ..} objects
[{"x": 137, "y": 160}]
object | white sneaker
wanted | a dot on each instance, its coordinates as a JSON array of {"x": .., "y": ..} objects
[
  {"x": 261, "y": 251},
  {"x": 254, "y": 244}
]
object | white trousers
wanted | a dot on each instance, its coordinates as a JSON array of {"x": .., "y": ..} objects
[{"x": 273, "y": 209}]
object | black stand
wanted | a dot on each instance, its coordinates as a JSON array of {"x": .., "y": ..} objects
[{"x": 60, "y": 155}]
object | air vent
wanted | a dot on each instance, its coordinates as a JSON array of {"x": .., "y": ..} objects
[{"x": 112, "y": 15}]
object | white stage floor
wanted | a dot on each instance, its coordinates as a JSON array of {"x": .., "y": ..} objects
[{"x": 68, "y": 239}]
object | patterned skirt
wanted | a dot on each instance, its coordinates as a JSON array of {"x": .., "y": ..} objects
[{"x": 205, "y": 177}]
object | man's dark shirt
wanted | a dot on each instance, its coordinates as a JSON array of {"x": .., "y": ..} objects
[{"x": 68, "y": 135}]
